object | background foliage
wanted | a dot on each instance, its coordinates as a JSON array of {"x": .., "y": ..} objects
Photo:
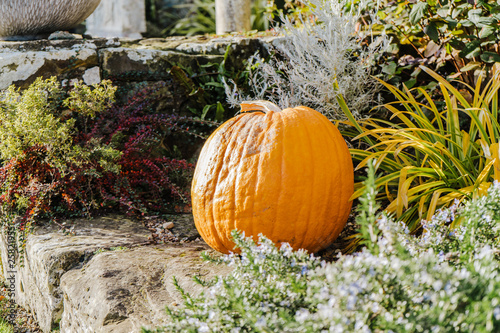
[
  {"x": 70, "y": 151},
  {"x": 204, "y": 85},
  {"x": 197, "y": 17},
  {"x": 458, "y": 39}
]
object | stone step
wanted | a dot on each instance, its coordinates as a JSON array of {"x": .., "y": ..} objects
[{"x": 104, "y": 276}]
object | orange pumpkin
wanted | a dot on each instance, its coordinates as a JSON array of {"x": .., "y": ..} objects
[{"x": 286, "y": 174}]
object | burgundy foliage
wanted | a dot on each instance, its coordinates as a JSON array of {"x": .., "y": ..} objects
[{"x": 148, "y": 181}]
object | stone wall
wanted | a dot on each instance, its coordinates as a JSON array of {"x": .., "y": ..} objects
[
  {"x": 91, "y": 60},
  {"x": 65, "y": 281}
]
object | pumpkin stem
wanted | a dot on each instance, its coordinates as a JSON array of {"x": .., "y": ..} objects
[{"x": 263, "y": 106}]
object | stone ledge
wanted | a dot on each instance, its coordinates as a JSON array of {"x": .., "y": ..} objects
[
  {"x": 66, "y": 281},
  {"x": 122, "y": 291},
  {"x": 22, "y": 62}
]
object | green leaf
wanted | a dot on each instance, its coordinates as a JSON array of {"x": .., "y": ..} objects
[
  {"x": 390, "y": 68},
  {"x": 466, "y": 23},
  {"x": 443, "y": 11},
  {"x": 471, "y": 50},
  {"x": 219, "y": 112},
  {"x": 476, "y": 17},
  {"x": 490, "y": 57},
  {"x": 456, "y": 12},
  {"x": 449, "y": 49},
  {"x": 197, "y": 92},
  {"x": 470, "y": 66},
  {"x": 393, "y": 48},
  {"x": 486, "y": 44},
  {"x": 418, "y": 12},
  {"x": 438, "y": 20},
  {"x": 431, "y": 31},
  {"x": 486, "y": 31},
  {"x": 410, "y": 83},
  {"x": 452, "y": 24},
  {"x": 180, "y": 76},
  {"x": 457, "y": 44},
  {"x": 206, "y": 108},
  {"x": 485, "y": 4},
  {"x": 215, "y": 84},
  {"x": 457, "y": 32},
  {"x": 415, "y": 72},
  {"x": 487, "y": 21},
  {"x": 470, "y": 37}
]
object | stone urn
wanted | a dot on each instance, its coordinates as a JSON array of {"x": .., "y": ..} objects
[{"x": 35, "y": 19}]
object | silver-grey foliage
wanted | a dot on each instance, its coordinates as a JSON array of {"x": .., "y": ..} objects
[{"x": 312, "y": 57}]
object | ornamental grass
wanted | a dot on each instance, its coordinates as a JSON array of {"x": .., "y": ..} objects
[{"x": 429, "y": 154}]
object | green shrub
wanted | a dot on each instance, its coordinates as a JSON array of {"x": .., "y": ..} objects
[
  {"x": 5, "y": 327},
  {"x": 205, "y": 89},
  {"x": 71, "y": 151},
  {"x": 400, "y": 284},
  {"x": 198, "y": 17},
  {"x": 38, "y": 117},
  {"x": 457, "y": 37}
]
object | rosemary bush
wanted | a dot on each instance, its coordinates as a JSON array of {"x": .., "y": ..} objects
[{"x": 441, "y": 282}]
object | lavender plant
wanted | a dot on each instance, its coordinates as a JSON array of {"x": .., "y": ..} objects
[
  {"x": 324, "y": 49},
  {"x": 441, "y": 282}
]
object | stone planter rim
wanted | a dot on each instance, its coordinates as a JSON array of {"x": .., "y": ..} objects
[{"x": 35, "y": 19}]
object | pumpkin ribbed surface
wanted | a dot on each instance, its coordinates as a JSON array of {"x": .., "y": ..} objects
[{"x": 287, "y": 175}]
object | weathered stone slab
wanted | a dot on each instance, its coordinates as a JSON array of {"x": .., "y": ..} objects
[
  {"x": 54, "y": 45},
  {"x": 158, "y": 54},
  {"x": 68, "y": 60},
  {"x": 92, "y": 59},
  {"x": 50, "y": 253},
  {"x": 122, "y": 291},
  {"x": 121, "y": 60},
  {"x": 104, "y": 276},
  {"x": 169, "y": 43}
]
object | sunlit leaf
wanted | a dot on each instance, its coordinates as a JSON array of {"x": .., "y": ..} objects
[{"x": 418, "y": 12}]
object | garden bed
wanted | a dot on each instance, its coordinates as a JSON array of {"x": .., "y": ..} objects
[{"x": 427, "y": 212}]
